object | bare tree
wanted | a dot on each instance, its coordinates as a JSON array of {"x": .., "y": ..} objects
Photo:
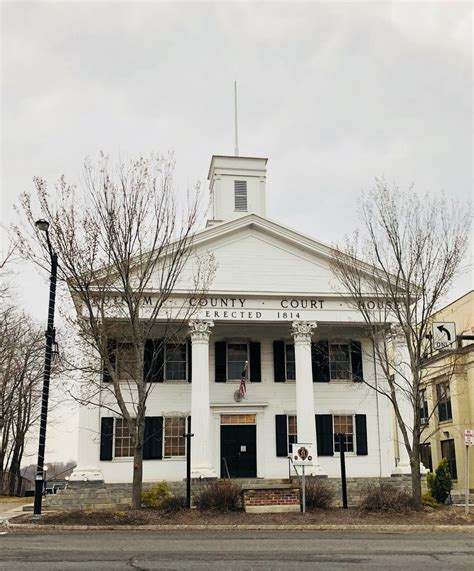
[
  {"x": 21, "y": 360},
  {"x": 123, "y": 244},
  {"x": 415, "y": 246}
]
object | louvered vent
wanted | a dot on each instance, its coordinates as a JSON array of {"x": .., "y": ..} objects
[{"x": 240, "y": 195}]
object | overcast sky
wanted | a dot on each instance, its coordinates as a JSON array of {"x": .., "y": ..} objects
[{"x": 334, "y": 94}]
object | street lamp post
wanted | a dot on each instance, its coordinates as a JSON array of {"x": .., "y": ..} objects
[{"x": 43, "y": 225}]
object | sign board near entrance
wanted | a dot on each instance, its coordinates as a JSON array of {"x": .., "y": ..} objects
[
  {"x": 302, "y": 454},
  {"x": 469, "y": 437},
  {"x": 443, "y": 335}
]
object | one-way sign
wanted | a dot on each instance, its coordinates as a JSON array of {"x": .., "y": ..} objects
[{"x": 444, "y": 335}]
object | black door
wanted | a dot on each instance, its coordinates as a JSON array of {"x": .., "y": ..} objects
[{"x": 238, "y": 451}]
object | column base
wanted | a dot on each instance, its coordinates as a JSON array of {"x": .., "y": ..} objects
[
  {"x": 405, "y": 470},
  {"x": 203, "y": 472},
  {"x": 86, "y": 474}
]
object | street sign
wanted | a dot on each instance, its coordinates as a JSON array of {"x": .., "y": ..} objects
[
  {"x": 302, "y": 454},
  {"x": 469, "y": 437},
  {"x": 443, "y": 335}
]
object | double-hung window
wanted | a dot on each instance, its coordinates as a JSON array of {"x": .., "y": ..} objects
[
  {"x": 444, "y": 401},
  {"x": 290, "y": 363},
  {"x": 126, "y": 361},
  {"x": 174, "y": 442},
  {"x": 123, "y": 439},
  {"x": 175, "y": 362},
  {"x": 424, "y": 417},
  {"x": 344, "y": 424},
  {"x": 292, "y": 431},
  {"x": 237, "y": 355},
  {"x": 340, "y": 361}
]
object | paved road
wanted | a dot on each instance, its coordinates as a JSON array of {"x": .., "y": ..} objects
[{"x": 235, "y": 550}]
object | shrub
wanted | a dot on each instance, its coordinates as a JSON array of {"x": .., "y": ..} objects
[
  {"x": 318, "y": 493},
  {"x": 154, "y": 497},
  {"x": 439, "y": 483},
  {"x": 428, "y": 500},
  {"x": 385, "y": 498},
  {"x": 222, "y": 495},
  {"x": 174, "y": 504}
]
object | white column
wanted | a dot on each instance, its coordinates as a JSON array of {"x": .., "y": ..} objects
[
  {"x": 404, "y": 384},
  {"x": 201, "y": 454},
  {"x": 306, "y": 424},
  {"x": 88, "y": 453}
]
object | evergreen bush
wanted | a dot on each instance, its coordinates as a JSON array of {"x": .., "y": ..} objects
[
  {"x": 155, "y": 496},
  {"x": 439, "y": 483},
  {"x": 428, "y": 500}
]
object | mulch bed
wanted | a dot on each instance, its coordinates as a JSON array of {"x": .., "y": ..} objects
[{"x": 444, "y": 515}]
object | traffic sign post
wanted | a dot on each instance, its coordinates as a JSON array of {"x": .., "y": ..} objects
[{"x": 468, "y": 441}]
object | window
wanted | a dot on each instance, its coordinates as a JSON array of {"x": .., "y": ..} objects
[
  {"x": 126, "y": 361},
  {"x": 123, "y": 439},
  {"x": 424, "y": 417},
  {"x": 237, "y": 354},
  {"x": 344, "y": 424},
  {"x": 240, "y": 195},
  {"x": 174, "y": 441},
  {"x": 292, "y": 432},
  {"x": 444, "y": 402},
  {"x": 339, "y": 361},
  {"x": 448, "y": 451},
  {"x": 290, "y": 362},
  {"x": 175, "y": 361}
]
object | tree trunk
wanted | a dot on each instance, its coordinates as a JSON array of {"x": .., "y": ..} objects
[
  {"x": 415, "y": 473},
  {"x": 137, "y": 484}
]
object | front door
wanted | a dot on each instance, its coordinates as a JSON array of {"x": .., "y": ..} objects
[{"x": 238, "y": 451}]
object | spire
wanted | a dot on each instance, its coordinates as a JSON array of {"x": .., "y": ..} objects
[{"x": 236, "y": 151}]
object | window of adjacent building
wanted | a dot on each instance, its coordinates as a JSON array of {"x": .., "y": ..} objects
[
  {"x": 290, "y": 362},
  {"x": 292, "y": 431},
  {"x": 237, "y": 354},
  {"x": 123, "y": 439},
  {"x": 175, "y": 361},
  {"x": 126, "y": 360},
  {"x": 444, "y": 401},
  {"x": 344, "y": 424},
  {"x": 240, "y": 195},
  {"x": 424, "y": 418},
  {"x": 339, "y": 361},
  {"x": 174, "y": 443},
  {"x": 448, "y": 451}
]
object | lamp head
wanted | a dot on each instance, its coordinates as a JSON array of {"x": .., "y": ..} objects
[{"x": 42, "y": 225}]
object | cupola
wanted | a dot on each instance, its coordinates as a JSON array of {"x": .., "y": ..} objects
[{"x": 237, "y": 187}]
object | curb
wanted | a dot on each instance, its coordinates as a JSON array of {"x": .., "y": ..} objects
[{"x": 243, "y": 527}]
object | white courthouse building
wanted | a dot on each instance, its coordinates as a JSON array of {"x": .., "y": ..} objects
[{"x": 272, "y": 303}]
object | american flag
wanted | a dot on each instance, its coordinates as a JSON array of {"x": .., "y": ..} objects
[{"x": 243, "y": 380}]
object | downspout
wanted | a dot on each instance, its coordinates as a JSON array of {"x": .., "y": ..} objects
[{"x": 377, "y": 408}]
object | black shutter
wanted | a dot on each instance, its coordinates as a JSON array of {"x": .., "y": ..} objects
[
  {"x": 281, "y": 426},
  {"x": 153, "y": 439},
  {"x": 111, "y": 351},
  {"x": 279, "y": 361},
  {"x": 356, "y": 361},
  {"x": 361, "y": 435},
  {"x": 255, "y": 365},
  {"x": 153, "y": 361},
  {"x": 106, "y": 437},
  {"x": 190, "y": 360},
  {"x": 221, "y": 361},
  {"x": 324, "y": 435},
  {"x": 320, "y": 361}
]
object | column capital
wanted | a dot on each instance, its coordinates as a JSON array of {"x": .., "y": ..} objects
[
  {"x": 200, "y": 329},
  {"x": 302, "y": 331}
]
